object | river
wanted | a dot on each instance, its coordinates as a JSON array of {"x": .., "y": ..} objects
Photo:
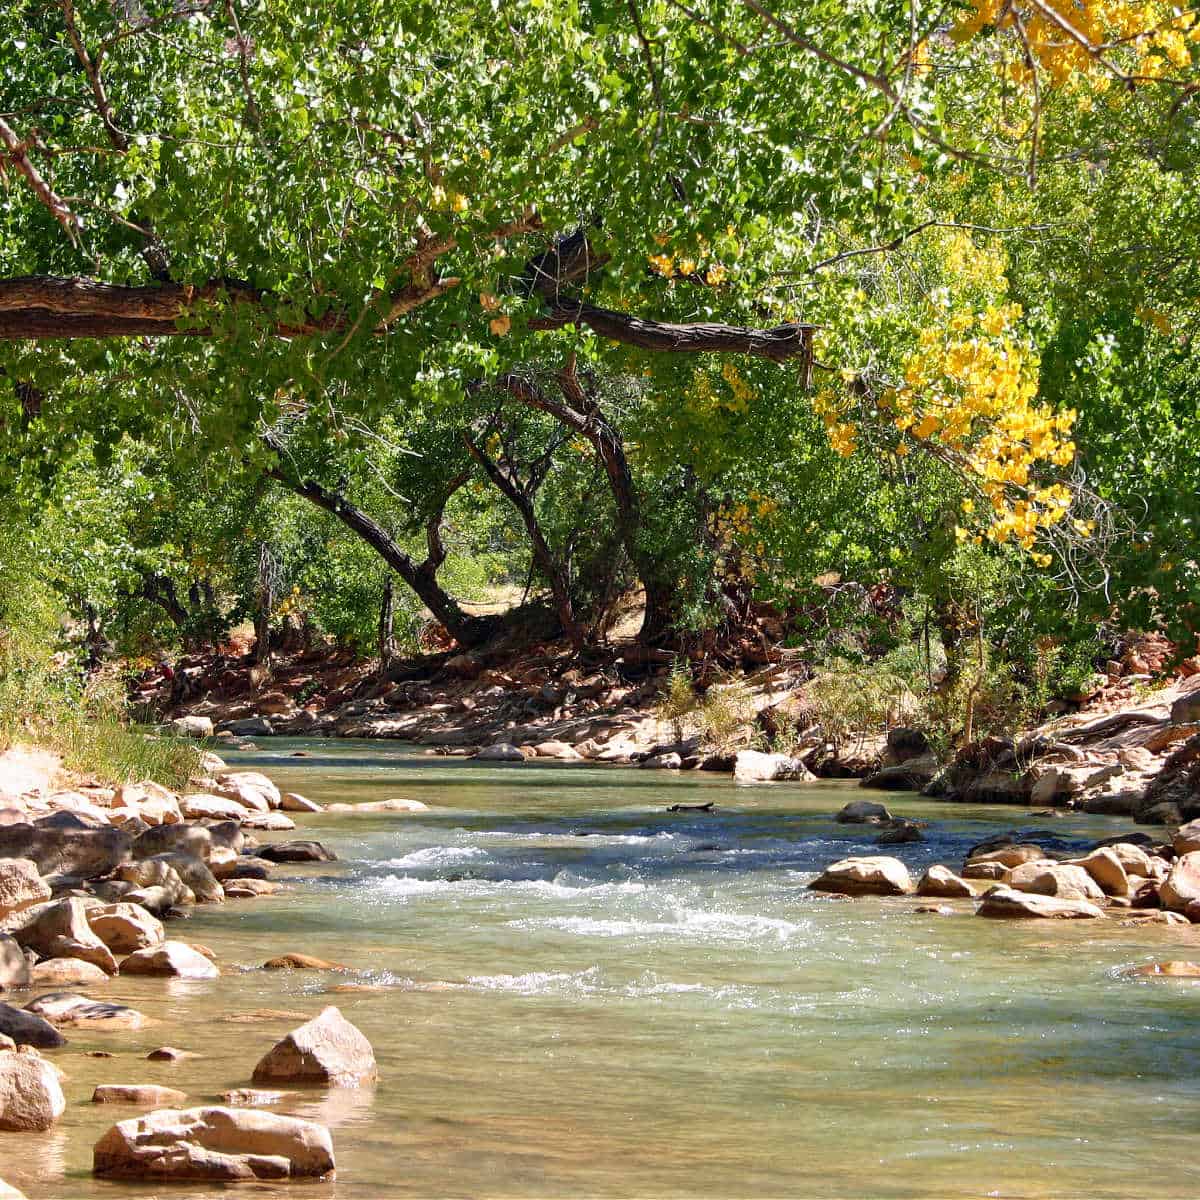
[{"x": 573, "y": 992}]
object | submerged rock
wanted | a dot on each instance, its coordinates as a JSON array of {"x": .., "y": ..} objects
[
  {"x": 70, "y": 1008},
  {"x": 31, "y": 1097},
  {"x": 301, "y": 962},
  {"x": 214, "y": 1144},
  {"x": 876, "y": 875},
  {"x": 1006, "y": 902},
  {"x": 327, "y": 1049},
  {"x": 148, "y": 1095}
]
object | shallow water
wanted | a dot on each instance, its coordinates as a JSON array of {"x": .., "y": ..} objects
[{"x": 578, "y": 993}]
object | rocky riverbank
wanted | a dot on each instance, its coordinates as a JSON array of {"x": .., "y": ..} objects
[
  {"x": 1130, "y": 747},
  {"x": 91, "y": 878}
]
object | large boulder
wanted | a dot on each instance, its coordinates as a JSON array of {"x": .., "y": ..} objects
[
  {"x": 214, "y": 1145},
  {"x": 20, "y": 885},
  {"x": 872, "y": 875},
  {"x": 176, "y": 959},
  {"x": 1007, "y": 902},
  {"x": 26, "y": 1029},
  {"x": 327, "y": 1049},
  {"x": 753, "y": 766},
  {"x": 1182, "y": 884},
  {"x": 195, "y": 875},
  {"x": 295, "y": 852},
  {"x": 60, "y": 929},
  {"x": 1186, "y": 838},
  {"x": 911, "y": 775},
  {"x": 251, "y": 788},
  {"x": 185, "y": 838},
  {"x": 1009, "y": 856},
  {"x": 294, "y": 802},
  {"x": 275, "y": 822},
  {"x": 149, "y": 801},
  {"x": 66, "y": 844},
  {"x": 1055, "y": 879},
  {"x": 202, "y": 806},
  {"x": 66, "y": 972},
  {"x": 124, "y": 927},
  {"x": 192, "y": 727},
  {"x": 14, "y": 966},
  {"x": 31, "y": 1097},
  {"x": 1107, "y": 869},
  {"x": 70, "y": 1008},
  {"x": 942, "y": 882},
  {"x": 863, "y": 812},
  {"x": 156, "y": 885}
]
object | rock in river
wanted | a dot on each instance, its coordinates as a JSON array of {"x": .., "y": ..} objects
[
  {"x": 942, "y": 882},
  {"x": 66, "y": 972},
  {"x": 1002, "y": 901},
  {"x": 327, "y": 1049},
  {"x": 871, "y": 875},
  {"x": 863, "y": 812},
  {"x": 147, "y": 1095},
  {"x": 26, "y": 1029},
  {"x": 1182, "y": 885},
  {"x": 60, "y": 929},
  {"x": 1055, "y": 879},
  {"x": 176, "y": 959},
  {"x": 69, "y": 1008},
  {"x": 124, "y": 928},
  {"x": 214, "y": 1144},
  {"x": 296, "y": 852},
  {"x": 31, "y": 1097}
]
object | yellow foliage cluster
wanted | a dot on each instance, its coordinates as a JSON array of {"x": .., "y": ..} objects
[
  {"x": 969, "y": 396},
  {"x": 704, "y": 397},
  {"x": 1067, "y": 38}
]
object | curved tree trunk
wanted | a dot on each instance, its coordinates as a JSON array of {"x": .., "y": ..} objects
[
  {"x": 543, "y": 556},
  {"x": 583, "y": 416},
  {"x": 420, "y": 577}
]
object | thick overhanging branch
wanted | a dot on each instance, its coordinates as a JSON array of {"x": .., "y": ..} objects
[{"x": 779, "y": 343}]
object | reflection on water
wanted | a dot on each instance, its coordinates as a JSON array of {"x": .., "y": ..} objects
[{"x": 574, "y": 992}]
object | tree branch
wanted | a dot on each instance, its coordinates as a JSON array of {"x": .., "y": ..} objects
[
  {"x": 19, "y": 157},
  {"x": 779, "y": 344}
]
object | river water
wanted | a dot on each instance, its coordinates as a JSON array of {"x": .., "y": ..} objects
[{"x": 573, "y": 992}]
